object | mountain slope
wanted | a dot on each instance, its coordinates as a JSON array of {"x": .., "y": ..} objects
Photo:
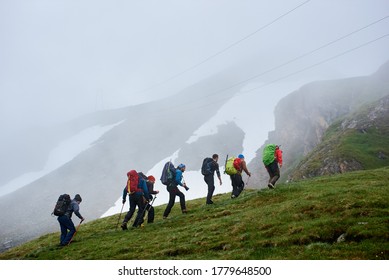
[
  {"x": 359, "y": 141},
  {"x": 337, "y": 217},
  {"x": 302, "y": 117},
  {"x": 142, "y": 136}
]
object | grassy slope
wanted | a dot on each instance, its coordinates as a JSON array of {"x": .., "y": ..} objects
[{"x": 296, "y": 221}]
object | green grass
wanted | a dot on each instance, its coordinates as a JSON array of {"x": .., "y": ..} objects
[
  {"x": 365, "y": 147},
  {"x": 302, "y": 220}
]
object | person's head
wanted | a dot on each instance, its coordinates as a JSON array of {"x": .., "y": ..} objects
[
  {"x": 151, "y": 179},
  {"x": 78, "y": 198},
  {"x": 182, "y": 167},
  {"x": 215, "y": 157},
  {"x": 241, "y": 156}
]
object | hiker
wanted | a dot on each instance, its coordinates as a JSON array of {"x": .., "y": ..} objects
[
  {"x": 208, "y": 169},
  {"x": 272, "y": 159},
  {"x": 136, "y": 189},
  {"x": 149, "y": 207},
  {"x": 173, "y": 190},
  {"x": 66, "y": 223},
  {"x": 236, "y": 179}
]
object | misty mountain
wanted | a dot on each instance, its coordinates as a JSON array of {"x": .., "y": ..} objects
[
  {"x": 186, "y": 127},
  {"x": 138, "y": 137},
  {"x": 303, "y": 117}
]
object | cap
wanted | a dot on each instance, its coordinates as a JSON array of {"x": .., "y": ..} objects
[
  {"x": 181, "y": 166},
  {"x": 151, "y": 178},
  {"x": 240, "y": 156}
]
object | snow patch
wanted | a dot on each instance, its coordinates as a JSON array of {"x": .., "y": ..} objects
[
  {"x": 247, "y": 111},
  {"x": 66, "y": 151}
]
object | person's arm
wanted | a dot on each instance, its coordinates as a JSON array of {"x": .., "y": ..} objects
[
  {"x": 124, "y": 195},
  {"x": 218, "y": 172},
  {"x": 279, "y": 157},
  {"x": 76, "y": 210},
  {"x": 244, "y": 167}
]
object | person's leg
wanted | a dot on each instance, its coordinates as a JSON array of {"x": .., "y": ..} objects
[
  {"x": 209, "y": 179},
  {"x": 235, "y": 184},
  {"x": 130, "y": 212},
  {"x": 172, "y": 198},
  {"x": 68, "y": 223},
  {"x": 150, "y": 214},
  {"x": 274, "y": 172},
  {"x": 182, "y": 200},
  {"x": 141, "y": 210},
  {"x": 64, "y": 230},
  {"x": 240, "y": 184}
]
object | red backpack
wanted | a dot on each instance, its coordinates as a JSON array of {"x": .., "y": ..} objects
[
  {"x": 238, "y": 164},
  {"x": 133, "y": 181}
]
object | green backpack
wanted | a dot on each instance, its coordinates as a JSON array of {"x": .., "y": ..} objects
[
  {"x": 230, "y": 169},
  {"x": 268, "y": 154}
]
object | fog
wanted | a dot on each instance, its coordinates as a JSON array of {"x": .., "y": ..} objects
[{"x": 63, "y": 59}]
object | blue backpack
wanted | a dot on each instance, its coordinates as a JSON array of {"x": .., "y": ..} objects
[{"x": 168, "y": 173}]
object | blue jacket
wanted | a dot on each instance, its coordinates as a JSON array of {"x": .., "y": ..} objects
[
  {"x": 142, "y": 185},
  {"x": 179, "y": 177}
]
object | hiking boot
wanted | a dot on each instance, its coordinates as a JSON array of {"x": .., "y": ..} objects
[
  {"x": 124, "y": 226},
  {"x": 164, "y": 217},
  {"x": 209, "y": 202},
  {"x": 270, "y": 185},
  {"x": 233, "y": 196},
  {"x": 184, "y": 211}
]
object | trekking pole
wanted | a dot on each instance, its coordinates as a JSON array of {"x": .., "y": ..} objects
[
  {"x": 120, "y": 216},
  {"x": 75, "y": 232},
  {"x": 225, "y": 164},
  {"x": 185, "y": 183},
  {"x": 247, "y": 182},
  {"x": 148, "y": 204}
]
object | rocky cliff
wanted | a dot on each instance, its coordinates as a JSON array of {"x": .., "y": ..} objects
[
  {"x": 303, "y": 117},
  {"x": 358, "y": 141}
]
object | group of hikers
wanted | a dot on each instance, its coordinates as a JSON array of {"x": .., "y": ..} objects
[{"x": 141, "y": 193}]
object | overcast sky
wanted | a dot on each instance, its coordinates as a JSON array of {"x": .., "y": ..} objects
[{"x": 62, "y": 59}]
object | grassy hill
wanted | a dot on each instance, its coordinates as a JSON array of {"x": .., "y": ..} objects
[{"x": 301, "y": 220}]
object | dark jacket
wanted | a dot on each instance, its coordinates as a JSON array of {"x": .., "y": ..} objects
[{"x": 74, "y": 207}]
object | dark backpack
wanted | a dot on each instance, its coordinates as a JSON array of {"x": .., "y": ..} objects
[
  {"x": 206, "y": 167},
  {"x": 143, "y": 176},
  {"x": 62, "y": 205},
  {"x": 168, "y": 173}
]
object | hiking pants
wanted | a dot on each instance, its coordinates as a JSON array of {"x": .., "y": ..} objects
[
  {"x": 135, "y": 200},
  {"x": 150, "y": 213},
  {"x": 173, "y": 192},
  {"x": 209, "y": 179},
  {"x": 66, "y": 224},
  {"x": 274, "y": 172},
  {"x": 237, "y": 184}
]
